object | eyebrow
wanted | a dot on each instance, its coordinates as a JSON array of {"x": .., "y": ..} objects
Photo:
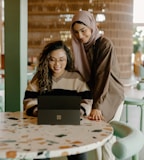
[
  {"x": 79, "y": 29},
  {"x": 58, "y": 57}
]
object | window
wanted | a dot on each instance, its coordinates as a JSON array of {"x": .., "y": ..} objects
[{"x": 138, "y": 11}]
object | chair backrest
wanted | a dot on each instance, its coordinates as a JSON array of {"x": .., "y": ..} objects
[{"x": 130, "y": 140}]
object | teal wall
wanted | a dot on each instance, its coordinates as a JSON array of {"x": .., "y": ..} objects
[{"x": 15, "y": 53}]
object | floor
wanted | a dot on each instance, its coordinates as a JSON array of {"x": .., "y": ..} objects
[{"x": 134, "y": 111}]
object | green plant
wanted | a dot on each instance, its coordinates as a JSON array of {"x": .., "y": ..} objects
[{"x": 138, "y": 40}]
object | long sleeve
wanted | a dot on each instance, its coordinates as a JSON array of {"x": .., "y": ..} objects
[
  {"x": 101, "y": 72},
  {"x": 86, "y": 103},
  {"x": 30, "y": 98},
  {"x": 105, "y": 82}
]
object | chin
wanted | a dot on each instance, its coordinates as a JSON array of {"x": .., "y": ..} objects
[{"x": 84, "y": 42}]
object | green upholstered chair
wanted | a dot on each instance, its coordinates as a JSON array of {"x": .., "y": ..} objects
[
  {"x": 129, "y": 141},
  {"x": 136, "y": 102}
]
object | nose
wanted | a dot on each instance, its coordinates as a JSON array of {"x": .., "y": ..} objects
[
  {"x": 57, "y": 62},
  {"x": 80, "y": 35}
]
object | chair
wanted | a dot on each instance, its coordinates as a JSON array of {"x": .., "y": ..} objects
[
  {"x": 137, "y": 102},
  {"x": 141, "y": 71},
  {"x": 129, "y": 141}
]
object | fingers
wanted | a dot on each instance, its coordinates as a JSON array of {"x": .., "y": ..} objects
[{"x": 96, "y": 115}]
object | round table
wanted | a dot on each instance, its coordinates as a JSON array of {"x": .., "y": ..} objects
[{"x": 21, "y": 137}]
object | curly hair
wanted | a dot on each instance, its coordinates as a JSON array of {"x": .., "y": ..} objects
[{"x": 44, "y": 74}]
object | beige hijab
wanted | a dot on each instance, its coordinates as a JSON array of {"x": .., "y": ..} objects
[{"x": 80, "y": 57}]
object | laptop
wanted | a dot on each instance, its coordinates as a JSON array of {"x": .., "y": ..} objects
[{"x": 59, "y": 110}]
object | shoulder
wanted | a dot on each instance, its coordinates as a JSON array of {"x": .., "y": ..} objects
[
  {"x": 104, "y": 39},
  {"x": 104, "y": 42},
  {"x": 33, "y": 85}
]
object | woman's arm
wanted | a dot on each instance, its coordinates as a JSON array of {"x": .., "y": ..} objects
[
  {"x": 101, "y": 70},
  {"x": 30, "y": 99}
]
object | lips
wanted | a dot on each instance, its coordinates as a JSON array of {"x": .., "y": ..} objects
[{"x": 57, "y": 69}]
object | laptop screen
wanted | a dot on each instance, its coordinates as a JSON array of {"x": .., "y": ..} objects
[{"x": 59, "y": 110}]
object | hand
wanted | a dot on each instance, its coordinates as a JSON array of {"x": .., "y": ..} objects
[
  {"x": 35, "y": 112},
  {"x": 96, "y": 115}
]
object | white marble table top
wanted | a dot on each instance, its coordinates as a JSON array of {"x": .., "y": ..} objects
[{"x": 22, "y": 138}]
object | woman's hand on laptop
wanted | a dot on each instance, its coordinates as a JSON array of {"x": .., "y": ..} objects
[{"x": 96, "y": 115}]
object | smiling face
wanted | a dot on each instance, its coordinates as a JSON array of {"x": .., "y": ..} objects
[
  {"x": 82, "y": 32},
  {"x": 58, "y": 62}
]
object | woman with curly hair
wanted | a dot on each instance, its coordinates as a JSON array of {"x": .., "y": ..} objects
[{"x": 55, "y": 76}]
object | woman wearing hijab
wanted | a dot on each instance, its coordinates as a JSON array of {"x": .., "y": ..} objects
[{"x": 96, "y": 61}]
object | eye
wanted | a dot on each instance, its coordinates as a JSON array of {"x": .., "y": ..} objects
[
  {"x": 83, "y": 30},
  {"x": 51, "y": 59},
  {"x": 75, "y": 32},
  {"x": 62, "y": 59}
]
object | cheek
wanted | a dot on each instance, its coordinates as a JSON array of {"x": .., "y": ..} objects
[
  {"x": 64, "y": 65},
  {"x": 50, "y": 66},
  {"x": 89, "y": 33}
]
